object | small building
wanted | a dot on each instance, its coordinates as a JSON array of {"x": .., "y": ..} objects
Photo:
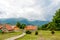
[
  {"x": 7, "y": 28},
  {"x": 0, "y": 29},
  {"x": 30, "y": 28},
  {"x": 16, "y": 29}
]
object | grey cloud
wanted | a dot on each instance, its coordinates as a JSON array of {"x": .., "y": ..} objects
[{"x": 30, "y": 9}]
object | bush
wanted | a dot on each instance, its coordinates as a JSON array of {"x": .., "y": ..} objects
[
  {"x": 52, "y": 32},
  {"x": 0, "y": 31},
  {"x": 36, "y": 33},
  {"x": 28, "y": 32}
]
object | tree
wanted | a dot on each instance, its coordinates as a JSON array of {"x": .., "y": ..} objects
[
  {"x": 55, "y": 24},
  {"x": 56, "y": 19},
  {"x": 23, "y": 26},
  {"x": 51, "y": 26},
  {"x": 18, "y": 24},
  {"x": 44, "y": 27}
]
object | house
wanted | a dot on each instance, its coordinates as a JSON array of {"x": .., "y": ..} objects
[
  {"x": 16, "y": 29},
  {"x": 31, "y": 28},
  {"x": 0, "y": 29},
  {"x": 7, "y": 28}
]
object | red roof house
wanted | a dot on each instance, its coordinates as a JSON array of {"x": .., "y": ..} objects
[
  {"x": 0, "y": 26},
  {"x": 16, "y": 29},
  {"x": 30, "y": 27},
  {"x": 8, "y": 27}
]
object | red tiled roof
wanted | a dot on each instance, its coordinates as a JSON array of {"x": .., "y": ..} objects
[
  {"x": 16, "y": 28},
  {"x": 30, "y": 27},
  {"x": 0, "y": 26},
  {"x": 8, "y": 27}
]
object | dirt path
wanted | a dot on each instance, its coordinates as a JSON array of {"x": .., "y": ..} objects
[{"x": 15, "y": 37}]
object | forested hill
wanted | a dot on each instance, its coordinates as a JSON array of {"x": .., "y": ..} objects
[{"x": 22, "y": 20}]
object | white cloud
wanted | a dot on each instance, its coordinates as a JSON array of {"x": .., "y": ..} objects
[
  {"x": 30, "y": 9},
  {"x": 56, "y": 2}
]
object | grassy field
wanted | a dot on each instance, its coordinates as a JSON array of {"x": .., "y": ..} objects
[
  {"x": 43, "y": 35},
  {"x": 7, "y": 35}
]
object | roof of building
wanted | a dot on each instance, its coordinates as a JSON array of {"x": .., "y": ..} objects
[
  {"x": 0, "y": 26},
  {"x": 8, "y": 27},
  {"x": 30, "y": 27},
  {"x": 16, "y": 28}
]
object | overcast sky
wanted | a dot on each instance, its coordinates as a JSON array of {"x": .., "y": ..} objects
[{"x": 29, "y": 9}]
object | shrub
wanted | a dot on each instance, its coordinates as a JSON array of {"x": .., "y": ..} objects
[
  {"x": 28, "y": 32},
  {"x": 36, "y": 33},
  {"x": 52, "y": 32}
]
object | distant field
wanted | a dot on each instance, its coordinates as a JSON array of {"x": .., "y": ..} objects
[
  {"x": 7, "y": 35},
  {"x": 43, "y": 35}
]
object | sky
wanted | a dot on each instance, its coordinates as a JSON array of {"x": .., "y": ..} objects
[{"x": 29, "y": 9}]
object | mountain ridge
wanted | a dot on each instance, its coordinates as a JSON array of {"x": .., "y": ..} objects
[{"x": 13, "y": 21}]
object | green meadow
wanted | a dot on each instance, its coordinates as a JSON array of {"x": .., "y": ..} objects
[
  {"x": 8, "y": 35},
  {"x": 43, "y": 35}
]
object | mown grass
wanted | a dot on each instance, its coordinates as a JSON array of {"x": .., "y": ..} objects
[
  {"x": 8, "y": 35},
  {"x": 43, "y": 35}
]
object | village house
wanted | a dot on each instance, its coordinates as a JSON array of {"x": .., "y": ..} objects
[
  {"x": 6, "y": 28},
  {"x": 9, "y": 28},
  {"x": 16, "y": 29},
  {"x": 0, "y": 28},
  {"x": 30, "y": 28}
]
